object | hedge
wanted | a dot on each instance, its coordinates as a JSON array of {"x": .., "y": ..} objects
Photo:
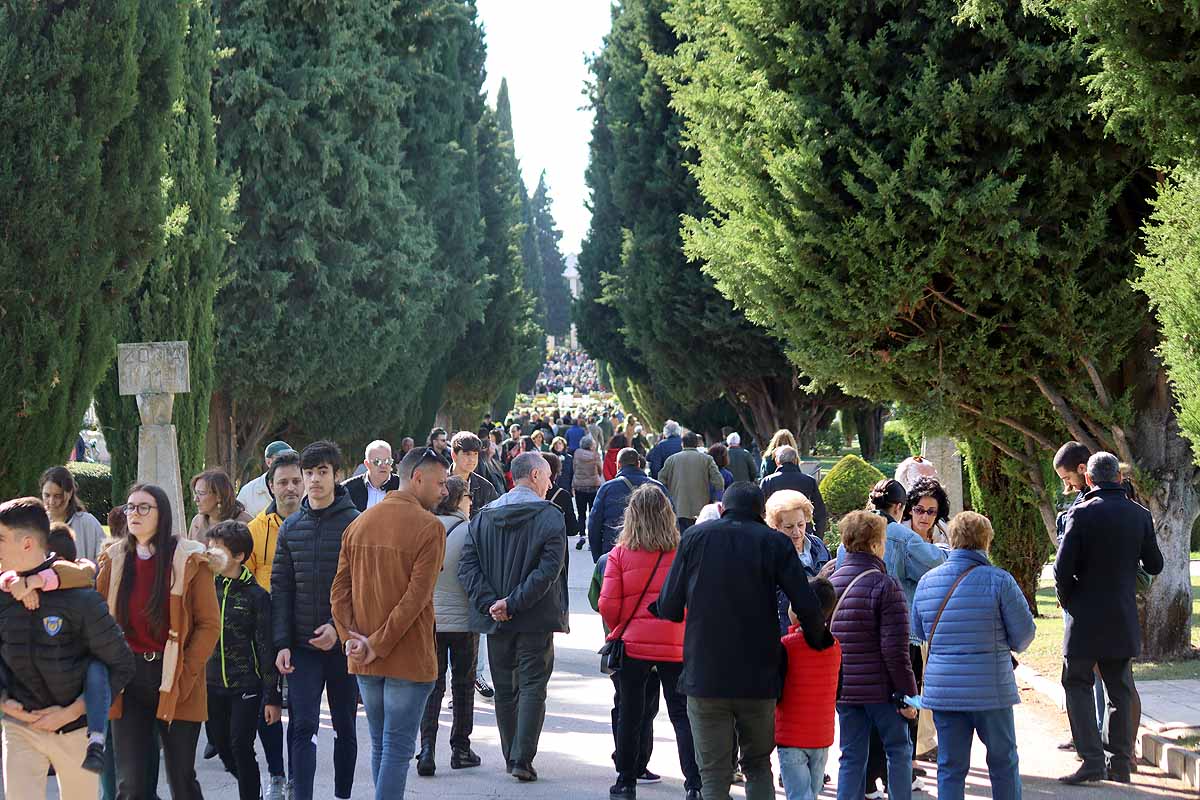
[
  {"x": 898, "y": 443},
  {"x": 846, "y": 487},
  {"x": 95, "y": 487}
]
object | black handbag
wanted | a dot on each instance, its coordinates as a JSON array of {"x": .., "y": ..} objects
[{"x": 612, "y": 655}]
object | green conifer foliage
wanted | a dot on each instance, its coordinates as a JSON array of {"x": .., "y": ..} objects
[
  {"x": 175, "y": 298},
  {"x": 86, "y": 103},
  {"x": 927, "y": 212},
  {"x": 556, "y": 296}
]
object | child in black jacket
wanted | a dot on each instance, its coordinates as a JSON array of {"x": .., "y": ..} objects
[{"x": 241, "y": 671}]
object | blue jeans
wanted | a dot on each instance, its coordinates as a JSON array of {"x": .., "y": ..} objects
[
  {"x": 394, "y": 707},
  {"x": 856, "y": 723},
  {"x": 317, "y": 671},
  {"x": 997, "y": 730},
  {"x": 803, "y": 771},
  {"x": 97, "y": 697}
]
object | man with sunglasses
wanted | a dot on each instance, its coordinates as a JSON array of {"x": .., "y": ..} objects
[{"x": 370, "y": 487}]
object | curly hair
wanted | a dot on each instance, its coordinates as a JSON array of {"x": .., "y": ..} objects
[{"x": 928, "y": 487}]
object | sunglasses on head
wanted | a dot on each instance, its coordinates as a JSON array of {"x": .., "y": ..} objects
[{"x": 428, "y": 454}]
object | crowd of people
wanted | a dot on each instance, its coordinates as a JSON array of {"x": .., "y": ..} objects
[
  {"x": 712, "y": 578},
  {"x": 568, "y": 370}
]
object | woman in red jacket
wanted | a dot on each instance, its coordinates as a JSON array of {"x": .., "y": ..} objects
[
  {"x": 615, "y": 445},
  {"x": 633, "y": 578}
]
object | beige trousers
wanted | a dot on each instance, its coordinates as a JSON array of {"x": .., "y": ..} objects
[{"x": 28, "y": 753}]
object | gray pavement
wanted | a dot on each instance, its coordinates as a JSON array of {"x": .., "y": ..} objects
[{"x": 575, "y": 756}]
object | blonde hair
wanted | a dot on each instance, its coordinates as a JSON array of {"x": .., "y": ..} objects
[
  {"x": 970, "y": 531},
  {"x": 649, "y": 522},
  {"x": 788, "y": 500},
  {"x": 861, "y": 530},
  {"x": 782, "y": 436}
]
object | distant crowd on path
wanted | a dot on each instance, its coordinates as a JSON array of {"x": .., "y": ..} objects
[
  {"x": 568, "y": 370},
  {"x": 371, "y": 589}
]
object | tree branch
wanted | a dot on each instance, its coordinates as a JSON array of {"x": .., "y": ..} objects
[
  {"x": 1008, "y": 451},
  {"x": 1045, "y": 507},
  {"x": 956, "y": 306},
  {"x": 1124, "y": 451},
  {"x": 1068, "y": 416},
  {"x": 1011, "y": 423}
]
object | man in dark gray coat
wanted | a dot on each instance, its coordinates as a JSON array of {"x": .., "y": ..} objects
[
  {"x": 514, "y": 570},
  {"x": 1106, "y": 536}
]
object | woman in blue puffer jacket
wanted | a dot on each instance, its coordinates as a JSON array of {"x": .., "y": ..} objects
[{"x": 969, "y": 683}]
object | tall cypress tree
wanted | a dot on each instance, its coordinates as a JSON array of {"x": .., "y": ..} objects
[
  {"x": 556, "y": 295},
  {"x": 87, "y": 112},
  {"x": 175, "y": 298}
]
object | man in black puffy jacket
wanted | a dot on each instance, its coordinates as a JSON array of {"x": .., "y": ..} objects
[
  {"x": 45, "y": 654},
  {"x": 306, "y": 559}
]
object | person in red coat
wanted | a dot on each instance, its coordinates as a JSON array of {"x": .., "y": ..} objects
[
  {"x": 633, "y": 578},
  {"x": 615, "y": 445},
  {"x": 804, "y": 716}
]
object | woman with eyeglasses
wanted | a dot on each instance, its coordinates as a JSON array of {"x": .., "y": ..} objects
[
  {"x": 928, "y": 511},
  {"x": 166, "y": 602},
  {"x": 212, "y": 491}
]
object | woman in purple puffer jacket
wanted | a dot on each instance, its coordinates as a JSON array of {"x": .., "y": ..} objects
[{"x": 871, "y": 623}]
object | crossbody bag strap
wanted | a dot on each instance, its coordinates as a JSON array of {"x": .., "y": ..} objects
[
  {"x": 628, "y": 482},
  {"x": 846, "y": 591},
  {"x": 642, "y": 596},
  {"x": 949, "y": 594}
]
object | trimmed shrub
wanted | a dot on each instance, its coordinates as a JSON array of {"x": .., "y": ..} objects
[
  {"x": 897, "y": 444},
  {"x": 95, "y": 487},
  {"x": 846, "y": 486}
]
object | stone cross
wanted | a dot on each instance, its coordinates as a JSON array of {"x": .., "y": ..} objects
[
  {"x": 155, "y": 372},
  {"x": 943, "y": 452}
]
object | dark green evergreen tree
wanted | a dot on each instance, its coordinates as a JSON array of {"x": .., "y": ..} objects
[
  {"x": 556, "y": 296},
  {"x": 175, "y": 299},
  {"x": 86, "y": 104},
  {"x": 927, "y": 212}
]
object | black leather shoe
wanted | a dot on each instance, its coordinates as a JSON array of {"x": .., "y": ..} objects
[
  {"x": 1118, "y": 776},
  {"x": 1084, "y": 775},
  {"x": 692, "y": 794},
  {"x": 464, "y": 758},
  {"x": 210, "y": 751},
  {"x": 525, "y": 773},
  {"x": 425, "y": 765},
  {"x": 622, "y": 790},
  {"x": 94, "y": 760}
]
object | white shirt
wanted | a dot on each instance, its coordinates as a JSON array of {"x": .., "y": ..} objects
[
  {"x": 373, "y": 495},
  {"x": 254, "y": 496}
]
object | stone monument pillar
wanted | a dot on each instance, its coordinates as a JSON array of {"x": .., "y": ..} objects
[
  {"x": 943, "y": 452},
  {"x": 155, "y": 372}
]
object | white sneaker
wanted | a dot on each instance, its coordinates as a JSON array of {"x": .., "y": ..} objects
[
  {"x": 277, "y": 789},
  {"x": 875, "y": 795},
  {"x": 918, "y": 784}
]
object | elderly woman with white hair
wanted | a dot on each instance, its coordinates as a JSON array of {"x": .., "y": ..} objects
[{"x": 790, "y": 513}]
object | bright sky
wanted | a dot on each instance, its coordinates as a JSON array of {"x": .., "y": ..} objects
[{"x": 539, "y": 46}]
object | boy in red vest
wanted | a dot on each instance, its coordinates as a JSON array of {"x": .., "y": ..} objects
[{"x": 804, "y": 716}]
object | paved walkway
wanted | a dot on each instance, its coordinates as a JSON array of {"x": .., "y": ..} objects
[{"x": 574, "y": 762}]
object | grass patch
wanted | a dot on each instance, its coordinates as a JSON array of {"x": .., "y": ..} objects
[{"x": 1045, "y": 654}]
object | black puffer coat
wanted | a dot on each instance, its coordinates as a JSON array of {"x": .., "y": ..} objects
[
  {"x": 244, "y": 658},
  {"x": 306, "y": 559},
  {"x": 45, "y": 653}
]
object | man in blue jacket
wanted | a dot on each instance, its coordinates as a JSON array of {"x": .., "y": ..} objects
[
  {"x": 672, "y": 443},
  {"x": 608, "y": 509},
  {"x": 1106, "y": 536}
]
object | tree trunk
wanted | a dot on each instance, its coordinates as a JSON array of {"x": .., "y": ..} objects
[
  {"x": 235, "y": 437},
  {"x": 775, "y": 403},
  {"x": 869, "y": 423}
]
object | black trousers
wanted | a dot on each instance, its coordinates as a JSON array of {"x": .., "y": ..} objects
[
  {"x": 133, "y": 740},
  {"x": 521, "y": 665},
  {"x": 1078, "y": 681},
  {"x": 233, "y": 725},
  {"x": 583, "y": 501},
  {"x": 631, "y": 719},
  {"x": 651, "y": 705},
  {"x": 461, "y": 651}
]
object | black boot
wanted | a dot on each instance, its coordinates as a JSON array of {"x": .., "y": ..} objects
[
  {"x": 623, "y": 790},
  {"x": 464, "y": 758},
  {"x": 425, "y": 765}
]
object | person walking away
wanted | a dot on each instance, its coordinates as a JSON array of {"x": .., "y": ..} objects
[
  {"x": 58, "y": 642},
  {"x": 212, "y": 492},
  {"x": 787, "y": 475},
  {"x": 160, "y": 589},
  {"x": 465, "y": 448},
  {"x": 608, "y": 510},
  {"x": 615, "y": 445},
  {"x": 720, "y": 454},
  {"x": 670, "y": 444},
  {"x": 736, "y": 615},
  {"x": 741, "y": 462},
  {"x": 306, "y": 642},
  {"x": 1106, "y": 537},
  {"x": 768, "y": 466},
  {"x": 255, "y": 495},
  {"x": 691, "y": 477},
  {"x": 789, "y": 512},
  {"x": 634, "y": 575},
  {"x": 589, "y": 474},
  {"x": 378, "y": 478},
  {"x": 514, "y": 569},
  {"x": 974, "y": 616},
  {"x": 559, "y": 496},
  {"x": 60, "y": 495},
  {"x": 382, "y": 603},
  {"x": 871, "y": 623},
  {"x": 286, "y": 484},
  {"x": 242, "y": 684},
  {"x": 575, "y": 433},
  {"x": 456, "y": 645},
  {"x": 804, "y": 715}
]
